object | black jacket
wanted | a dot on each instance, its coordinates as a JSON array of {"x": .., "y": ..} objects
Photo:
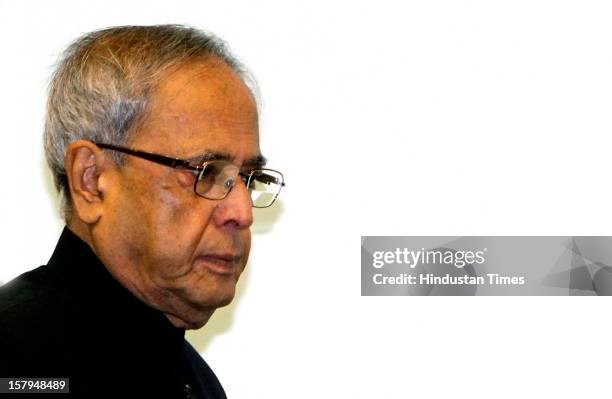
[{"x": 72, "y": 319}]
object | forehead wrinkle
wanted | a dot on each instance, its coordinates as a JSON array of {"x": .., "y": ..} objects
[
  {"x": 194, "y": 102},
  {"x": 218, "y": 79},
  {"x": 215, "y": 113}
]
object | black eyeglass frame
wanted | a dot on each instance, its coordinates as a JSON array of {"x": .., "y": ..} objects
[{"x": 199, "y": 167}]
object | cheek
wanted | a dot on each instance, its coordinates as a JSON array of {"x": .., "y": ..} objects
[
  {"x": 161, "y": 226},
  {"x": 177, "y": 226},
  {"x": 183, "y": 216},
  {"x": 134, "y": 224},
  {"x": 170, "y": 220},
  {"x": 181, "y": 210},
  {"x": 141, "y": 220}
]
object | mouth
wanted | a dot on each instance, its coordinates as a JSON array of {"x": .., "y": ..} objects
[{"x": 222, "y": 264}]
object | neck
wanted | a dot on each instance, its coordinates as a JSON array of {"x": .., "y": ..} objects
[
  {"x": 80, "y": 230},
  {"x": 180, "y": 316}
]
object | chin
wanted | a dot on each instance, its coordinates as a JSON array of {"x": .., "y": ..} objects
[
  {"x": 219, "y": 301},
  {"x": 212, "y": 295},
  {"x": 192, "y": 321},
  {"x": 193, "y": 306},
  {"x": 196, "y": 325},
  {"x": 203, "y": 308}
]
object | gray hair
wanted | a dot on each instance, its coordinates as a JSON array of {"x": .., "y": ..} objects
[{"x": 100, "y": 89}]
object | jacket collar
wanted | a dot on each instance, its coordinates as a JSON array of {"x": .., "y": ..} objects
[{"x": 79, "y": 270}]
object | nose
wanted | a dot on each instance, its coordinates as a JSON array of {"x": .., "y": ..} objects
[{"x": 236, "y": 209}]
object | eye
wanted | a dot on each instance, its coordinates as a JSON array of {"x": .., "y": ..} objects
[{"x": 229, "y": 183}]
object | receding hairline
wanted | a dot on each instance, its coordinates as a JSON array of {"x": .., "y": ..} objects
[{"x": 197, "y": 67}]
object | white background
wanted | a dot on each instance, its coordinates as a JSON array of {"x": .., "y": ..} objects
[{"x": 388, "y": 118}]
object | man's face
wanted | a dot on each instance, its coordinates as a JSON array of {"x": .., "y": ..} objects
[{"x": 179, "y": 252}]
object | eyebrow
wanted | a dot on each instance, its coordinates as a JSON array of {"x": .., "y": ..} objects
[{"x": 258, "y": 161}]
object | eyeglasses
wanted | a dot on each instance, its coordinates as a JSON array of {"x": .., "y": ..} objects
[{"x": 216, "y": 178}]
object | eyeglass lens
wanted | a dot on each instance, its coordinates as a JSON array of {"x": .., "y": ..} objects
[
  {"x": 218, "y": 178},
  {"x": 264, "y": 186}
]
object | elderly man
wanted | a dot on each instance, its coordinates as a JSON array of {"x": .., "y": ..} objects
[{"x": 152, "y": 138}]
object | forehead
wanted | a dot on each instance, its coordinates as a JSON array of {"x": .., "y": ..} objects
[{"x": 201, "y": 106}]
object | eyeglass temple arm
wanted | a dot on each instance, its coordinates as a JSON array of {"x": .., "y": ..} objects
[
  {"x": 160, "y": 159},
  {"x": 174, "y": 162},
  {"x": 265, "y": 178}
]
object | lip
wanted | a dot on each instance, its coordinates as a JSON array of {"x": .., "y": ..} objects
[{"x": 222, "y": 264}]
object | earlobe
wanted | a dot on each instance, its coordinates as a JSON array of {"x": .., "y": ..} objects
[{"x": 84, "y": 167}]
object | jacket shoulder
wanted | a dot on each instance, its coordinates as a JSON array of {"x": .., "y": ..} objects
[
  {"x": 37, "y": 289},
  {"x": 34, "y": 315}
]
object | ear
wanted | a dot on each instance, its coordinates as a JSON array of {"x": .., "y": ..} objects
[{"x": 85, "y": 166}]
